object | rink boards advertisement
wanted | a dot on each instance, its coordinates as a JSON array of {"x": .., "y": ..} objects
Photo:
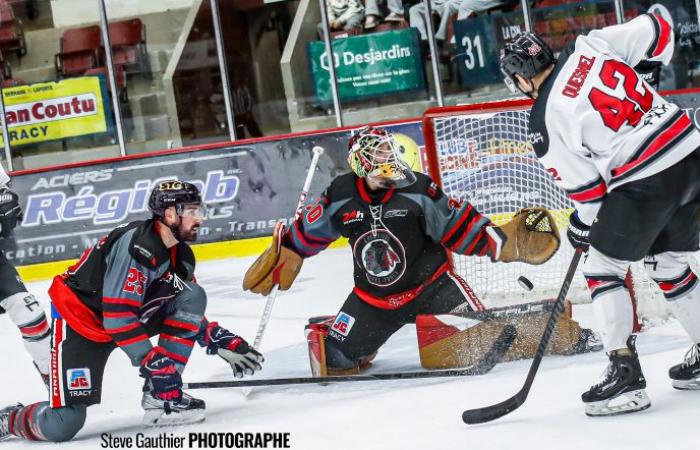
[{"x": 250, "y": 186}]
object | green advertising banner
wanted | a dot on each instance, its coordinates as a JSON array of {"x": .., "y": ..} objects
[{"x": 369, "y": 65}]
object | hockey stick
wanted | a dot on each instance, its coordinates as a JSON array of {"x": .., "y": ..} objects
[
  {"x": 493, "y": 412},
  {"x": 272, "y": 296},
  {"x": 491, "y": 358},
  {"x": 269, "y": 303}
]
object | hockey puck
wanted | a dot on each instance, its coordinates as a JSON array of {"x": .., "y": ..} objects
[{"x": 525, "y": 283}]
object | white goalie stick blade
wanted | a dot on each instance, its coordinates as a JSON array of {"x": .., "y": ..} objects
[
  {"x": 624, "y": 403},
  {"x": 687, "y": 385},
  {"x": 159, "y": 418}
]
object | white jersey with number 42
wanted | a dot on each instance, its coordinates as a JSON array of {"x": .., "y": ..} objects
[{"x": 597, "y": 125}]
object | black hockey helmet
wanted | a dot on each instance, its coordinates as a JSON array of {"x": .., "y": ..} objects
[
  {"x": 525, "y": 55},
  {"x": 172, "y": 193}
]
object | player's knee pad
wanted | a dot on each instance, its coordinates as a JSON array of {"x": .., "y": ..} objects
[
  {"x": 672, "y": 273},
  {"x": 192, "y": 299},
  {"x": 612, "y": 303},
  {"x": 26, "y": 312},
  {"x": 604, "y": 273},
  {"x": 62, "y": 424}
]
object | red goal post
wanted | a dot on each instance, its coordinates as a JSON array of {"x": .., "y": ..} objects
[{"x": 481, "y": 153}]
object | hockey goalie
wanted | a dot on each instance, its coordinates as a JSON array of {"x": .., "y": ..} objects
[{"x": 400, "y": 226}]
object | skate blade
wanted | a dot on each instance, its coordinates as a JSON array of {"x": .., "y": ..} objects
[
  {"x": 622, "y": 404},
  {"x": 687, "y": 385},
  {"x": 158, "y": 417}
]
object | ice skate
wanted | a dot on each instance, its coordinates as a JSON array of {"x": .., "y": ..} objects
[
  {"x": 622, "y": 388},
  {"x": 5, "y": 420},
  {"x": 159, "y": 413},
  {"x": 686, "y": 375}
]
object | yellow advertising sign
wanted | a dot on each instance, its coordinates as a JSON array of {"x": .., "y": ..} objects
[{"x": 54, "y": 110}]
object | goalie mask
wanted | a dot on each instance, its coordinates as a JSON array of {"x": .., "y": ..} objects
[
  {"x": 374, "y": 154},
  {"x": 526, "y": 55}
]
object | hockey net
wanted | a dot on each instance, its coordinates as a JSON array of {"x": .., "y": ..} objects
[{"x": 481, "y": 154}]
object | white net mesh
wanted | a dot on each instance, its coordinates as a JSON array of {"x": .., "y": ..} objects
[{"x": 486, "y": 159}]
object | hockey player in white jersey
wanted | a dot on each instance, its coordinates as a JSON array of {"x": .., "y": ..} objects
[
  {"x": 630, "y": 162},
  {"x": 21, "y": 306}
]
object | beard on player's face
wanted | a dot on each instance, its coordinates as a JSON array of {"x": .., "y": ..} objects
[
  {"x": 183, "y": 228},
  {"x": 187, "y": 229}
]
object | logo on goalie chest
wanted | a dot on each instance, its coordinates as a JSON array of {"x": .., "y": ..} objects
[{"x": 381, "y": 255}]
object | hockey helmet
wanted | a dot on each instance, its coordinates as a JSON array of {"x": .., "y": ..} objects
[
  {"x": 178, "y": 194},
  {"x": 374, "y": 153},
  {"x": 526, "y": 55}
]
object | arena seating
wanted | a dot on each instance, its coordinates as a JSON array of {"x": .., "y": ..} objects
[
  {"x": 128, "y": 41},
  {"x": 80, "y": 50},
  {"x": 11, "y": 33}
]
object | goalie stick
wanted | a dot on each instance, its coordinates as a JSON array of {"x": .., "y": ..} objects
[
  {"x": 272, "y": 296},
  {"x": 493, "y": 412},
  {"x": 270, "y": 301},
  {"x": 491, "y": 358}
]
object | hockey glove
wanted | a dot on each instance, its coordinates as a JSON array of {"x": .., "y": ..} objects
[
  {"x": 160, "y": 371},
  {"x": 243, "y": 359},
  {"x": 278, "y": 265},
  {"x": 578, "y": 232},
  {"x": 10, "y": 211},
  {"x": 531, "y": 237}
]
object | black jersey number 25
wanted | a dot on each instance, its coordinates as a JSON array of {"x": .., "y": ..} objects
[{"x": 630, "y": 109}]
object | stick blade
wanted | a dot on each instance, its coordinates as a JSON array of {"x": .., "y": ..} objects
[{"x": 493, "y": 412}]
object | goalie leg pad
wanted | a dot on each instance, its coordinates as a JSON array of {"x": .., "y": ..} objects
[
  {"x": 447, "y": 341},
  {"x": 325, "y": 357},
  {"x": 316, "y": 332},
  {"x": 452, "y": 341}
]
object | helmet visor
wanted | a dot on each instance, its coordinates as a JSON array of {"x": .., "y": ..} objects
[
  {"x": 510, "y": 83},
  {"x": 192, "y": 210}
]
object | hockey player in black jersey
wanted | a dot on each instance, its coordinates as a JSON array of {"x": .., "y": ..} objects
[
  {"x": 136, "y": 282},
  {"x": 630, "y": 162},
  {"x": 400, "y": 226}
]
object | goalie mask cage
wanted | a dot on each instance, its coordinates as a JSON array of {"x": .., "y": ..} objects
[{"x": 481, "y": 153}]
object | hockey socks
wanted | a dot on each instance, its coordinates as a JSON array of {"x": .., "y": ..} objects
[
  {"x": 24, "y": 310},
  {"x": 22, "y": 421}
]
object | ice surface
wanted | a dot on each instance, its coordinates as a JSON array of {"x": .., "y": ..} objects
[{"x": 419, "y": 414}]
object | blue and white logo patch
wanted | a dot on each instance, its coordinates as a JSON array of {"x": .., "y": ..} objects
[
  {"x": 79, "y": 379},
  {"x": 343, "y": 324}
]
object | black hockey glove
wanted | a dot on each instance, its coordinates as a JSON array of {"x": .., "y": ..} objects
[
  {"x": 650, "y": 72},
  {"x": 578, "y": 232},
  {"x": 10, "y": 211},
  {"x": 160, "y": 371},
  {"x": 243, "y": 359}
]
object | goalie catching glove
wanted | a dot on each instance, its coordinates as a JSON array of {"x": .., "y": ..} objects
[
  {"x": 531, "y": 237},
  {"x": 243, "y": 359},
  {"x": 278, "y": 265}
]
